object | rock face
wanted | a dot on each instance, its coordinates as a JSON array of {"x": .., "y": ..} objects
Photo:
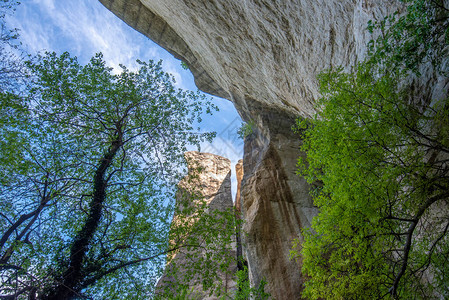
[
  {"x": 239, "y": 175},
  {"x": 263, "y": 56},
  {"x": 238, "y": 215},
  {"x": 257, "y": 51},
  {"x": 210, "y": 176}
]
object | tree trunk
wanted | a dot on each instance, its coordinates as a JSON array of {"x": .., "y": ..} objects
[{"x": 69, "y": 285}]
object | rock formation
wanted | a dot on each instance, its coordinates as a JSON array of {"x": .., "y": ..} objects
[
  {"x": 238, "y": 215},
  {"x": 239, "y": 175},
  {"x": 207, "y": 185},
  {"x": 264, "y": 56}
]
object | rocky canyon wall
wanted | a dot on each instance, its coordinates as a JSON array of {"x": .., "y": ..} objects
[
  {"x": 206, "y": 187},
  {"x": 264, "y": 56}
]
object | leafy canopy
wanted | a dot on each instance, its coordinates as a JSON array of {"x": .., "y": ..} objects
[
  {"x": 378, "y": 164},
  {"x": 88, "y": 170}
]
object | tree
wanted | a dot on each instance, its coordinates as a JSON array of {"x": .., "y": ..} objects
[
  {"x": 245, "y": 291},
  {"x": 12, "y": 67},
  {"x": 412, "y": 39},
  {"x": 88, "y": 176},
  {"x": 12, "y": 73},
  {"x": 378, "y": 160}
]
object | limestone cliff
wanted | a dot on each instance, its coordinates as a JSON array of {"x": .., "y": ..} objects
[
  {"x": 238, "y": 215},
  {"x": 263, "y": 56},
  {"x": 206, "y": 186},
  {"x": 257, "y": 51}
]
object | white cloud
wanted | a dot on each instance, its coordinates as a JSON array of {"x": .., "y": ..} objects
[
  {"x": 90, "y": 27},
  {"x": 35, "y": 41},
  {"x": 150, "y": 52},
  {"x": 48, "y": 4},
  {"x": 33, "y": 35},
  {"x": 85, "y": 27},
  {"x": 81, "y": 27}
]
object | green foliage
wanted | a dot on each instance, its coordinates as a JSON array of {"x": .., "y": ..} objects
[
  {"x": 382, "y": 168},
  {"x": 245, "y": 291},
  {"x": 378, "y": 164},
  {"x": 246, "y": 129},
  {"x": 184, "y": 65},
  {"x": 206, "y": 257},
  {"x": 88, "y": 162},
  {"x": 410, "y": 39}
]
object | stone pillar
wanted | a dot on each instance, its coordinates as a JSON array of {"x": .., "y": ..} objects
[{"x": 207, "y": 188}]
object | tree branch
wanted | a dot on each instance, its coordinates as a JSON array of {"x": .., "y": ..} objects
[{"x": 408, "y": 243}]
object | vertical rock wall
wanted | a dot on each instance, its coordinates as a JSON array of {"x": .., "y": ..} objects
[
  {"x": 276, "y": 206},
  {"x": 264, "y": 56},
  {"x": 209, "y": 177},
  {"x": 241, "y": 261}
]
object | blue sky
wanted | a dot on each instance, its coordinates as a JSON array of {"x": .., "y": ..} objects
[{"x": 85, "y": 27}]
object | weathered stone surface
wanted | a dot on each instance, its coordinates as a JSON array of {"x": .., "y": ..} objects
[
  {"x": 276, "y": 205},
  {"x": 252, "y": 50},
  {"x": 264, "y": 56},
  {"x": 239, "y": 175},
  {"x": 238, "y": 215},
  {"x": 210, "y": 176}
]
